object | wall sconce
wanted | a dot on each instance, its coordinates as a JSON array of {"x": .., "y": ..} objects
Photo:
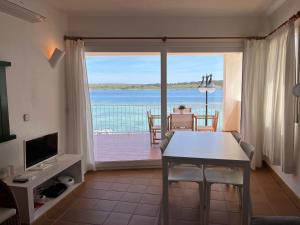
[{"x": 57, "y": 55}]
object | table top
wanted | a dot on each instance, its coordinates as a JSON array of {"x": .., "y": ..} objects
[{"x": 206, "y": 146}]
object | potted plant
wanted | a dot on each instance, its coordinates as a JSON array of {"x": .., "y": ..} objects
[{"x": 181, "y": 108}]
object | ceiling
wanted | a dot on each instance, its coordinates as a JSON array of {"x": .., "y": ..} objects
[{"x": 203, "y": 8}]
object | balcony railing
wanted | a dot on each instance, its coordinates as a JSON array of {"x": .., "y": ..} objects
[{"x": 113, "y": 118}]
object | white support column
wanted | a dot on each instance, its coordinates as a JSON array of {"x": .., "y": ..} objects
[{"x": 163, "y": 92}]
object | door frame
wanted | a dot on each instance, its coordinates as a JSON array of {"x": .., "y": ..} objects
[{"x": 164, "y": 48}]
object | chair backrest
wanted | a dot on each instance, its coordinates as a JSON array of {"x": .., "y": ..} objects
[
  {"x": 163, "y": 145},
  {"x": 150, "y": 120},
  {"x": 185, "y": 110},
  {"x": 248, "y": 149},
  {"x": 237, "y": 136},
  {"x": 215, "y": 121},
  {"x": 182, "y": 121}
]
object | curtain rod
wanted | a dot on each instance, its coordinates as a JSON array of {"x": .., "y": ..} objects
[{"x": 165, "y": 38}]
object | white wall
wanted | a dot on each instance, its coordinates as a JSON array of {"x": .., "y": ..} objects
[
  {"x": 163, "y": 26},
  {"x": 33, "y": 86},
  {"x": 232, "y": 91}
]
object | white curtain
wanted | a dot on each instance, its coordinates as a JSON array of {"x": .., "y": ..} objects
[
  {"x": 279, "y": 108},
  {"x": 268, "y": 106},
  {"x": 252, "y": 91},
  {"x": 79, "y": 118}
]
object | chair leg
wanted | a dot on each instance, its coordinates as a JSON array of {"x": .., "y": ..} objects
[
  {"x": 202, "y": 202},
  {"x": 151, "y": 138},
  {"x": 240, "y": 190},
  {"x": 207, "y": 205}
]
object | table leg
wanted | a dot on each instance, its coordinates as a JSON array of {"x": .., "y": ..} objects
[
  {"x": 246, "y": 195},
  {"x": 165, "y": 199}
]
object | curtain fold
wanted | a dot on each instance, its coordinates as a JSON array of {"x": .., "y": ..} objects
[
  {"x": 290, "y": 154},
  {"x": 252, "y": 91},
  {"x": 268, "y": 106},
  {"x": 79, "y": 118}
]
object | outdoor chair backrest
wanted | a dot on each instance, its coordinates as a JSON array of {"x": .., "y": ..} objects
[
  {"x": 182, "y": 121},
  {"x": 215, "y": 121}
]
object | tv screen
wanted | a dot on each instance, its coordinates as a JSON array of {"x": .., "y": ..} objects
[{"x": 40, "y": 149}]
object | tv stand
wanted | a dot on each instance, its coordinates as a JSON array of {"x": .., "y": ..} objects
[
  {"x": 67, "y": 164},
  {"x": 41, "y": 166}
]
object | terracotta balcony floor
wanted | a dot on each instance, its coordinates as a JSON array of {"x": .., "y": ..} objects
[{"x": 124, "y": 147}]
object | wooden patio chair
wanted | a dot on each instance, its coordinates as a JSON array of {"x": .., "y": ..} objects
[
  {"x": 211, "y": 128},
  {"x": 184, "y": 121},
  {"x": 153, "y": 129}
]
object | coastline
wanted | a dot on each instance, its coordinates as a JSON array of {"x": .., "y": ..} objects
[{"x": 155, "y": 86}]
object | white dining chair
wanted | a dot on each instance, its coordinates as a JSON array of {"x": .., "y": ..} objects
[
  {"x": 223, "y": 175},
  {"x": 237, "y": 136},
  {"x": 169, "y": 134},
  {"x": 186, "y": 173}
]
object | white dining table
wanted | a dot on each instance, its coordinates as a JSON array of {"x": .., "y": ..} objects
[{"x": 207, "y": 148}]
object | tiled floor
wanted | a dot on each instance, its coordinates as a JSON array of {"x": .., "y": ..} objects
[
  {"x": 124, "y": 147},
  {"x": 132, "y": 197}
]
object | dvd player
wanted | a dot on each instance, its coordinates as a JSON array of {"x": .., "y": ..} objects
[{"x": 54, "y": 190}]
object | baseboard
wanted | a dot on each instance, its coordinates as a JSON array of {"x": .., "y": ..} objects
[
  {"x": 289, "y": 192},
  {"x": 138, "y": 164}
]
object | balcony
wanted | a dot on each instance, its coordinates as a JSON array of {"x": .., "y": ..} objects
[{"x": 121, "y": 132}]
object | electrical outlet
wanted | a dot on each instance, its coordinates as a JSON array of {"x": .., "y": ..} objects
[{"x": 26, "y": 117}]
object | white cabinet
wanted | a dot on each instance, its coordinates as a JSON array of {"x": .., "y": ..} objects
[{"x": 67, "y": 164}]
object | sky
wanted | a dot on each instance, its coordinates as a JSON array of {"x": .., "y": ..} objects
[{"x": 146, "y": 69}]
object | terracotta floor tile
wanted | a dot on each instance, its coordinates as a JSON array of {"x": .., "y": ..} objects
[
  {"x": 113, "y": 195},
  {"x": 84, "y": 203},
  {"x": 219, "y": 217},
  {"x": 60, "y": 222},
  {"x": 95, "y": 202},
  {"x": 155, "y": 182},
  {"x": 105, "y": 205},
  {"x": 153, "y": 190},
  {"x": 233, "y": 206},
  {"x": 124, "y": 147},
  {"x": 93, "y": 193},
  {"x": 151, "y": 199},
  {"x": 125, "y": 207},
  {"x": 124, "y": 180},
  {"x": 147, "y": 210},
  {"x": 119, "y": 187},
  {"x": 138, "y": 188},
  {"x": 235, "y": 219},
  {"x": 142, "y": 220},
  {"x": 218, "y": 205},
  {"x": 262, "y": 209},
  {"x": 217, "y": 195},
  {"x": 85, "y": 216},
  {"x": 118, "y": 219},
  {"x": 99, "y": 185},
  {"x": 131, "y": 197}
]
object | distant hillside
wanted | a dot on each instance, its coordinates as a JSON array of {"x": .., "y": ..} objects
[{"x": 185, "y": 85}]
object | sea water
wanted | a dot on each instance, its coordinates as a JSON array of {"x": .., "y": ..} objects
[{"x": 124, "y": 111}]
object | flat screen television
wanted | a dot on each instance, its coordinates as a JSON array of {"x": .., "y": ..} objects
[{"x": 40, "y": 149}]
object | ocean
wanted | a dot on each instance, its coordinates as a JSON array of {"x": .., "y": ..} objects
[{"x": 125, "y": 111}]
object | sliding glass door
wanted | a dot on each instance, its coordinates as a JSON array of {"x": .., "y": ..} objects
[
  {"x": 134, "y": 94},
  {"x": 124, "y": 93}
]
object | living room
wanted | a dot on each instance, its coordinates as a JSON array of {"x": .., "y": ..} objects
[{"x": 45, "y": 96}]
